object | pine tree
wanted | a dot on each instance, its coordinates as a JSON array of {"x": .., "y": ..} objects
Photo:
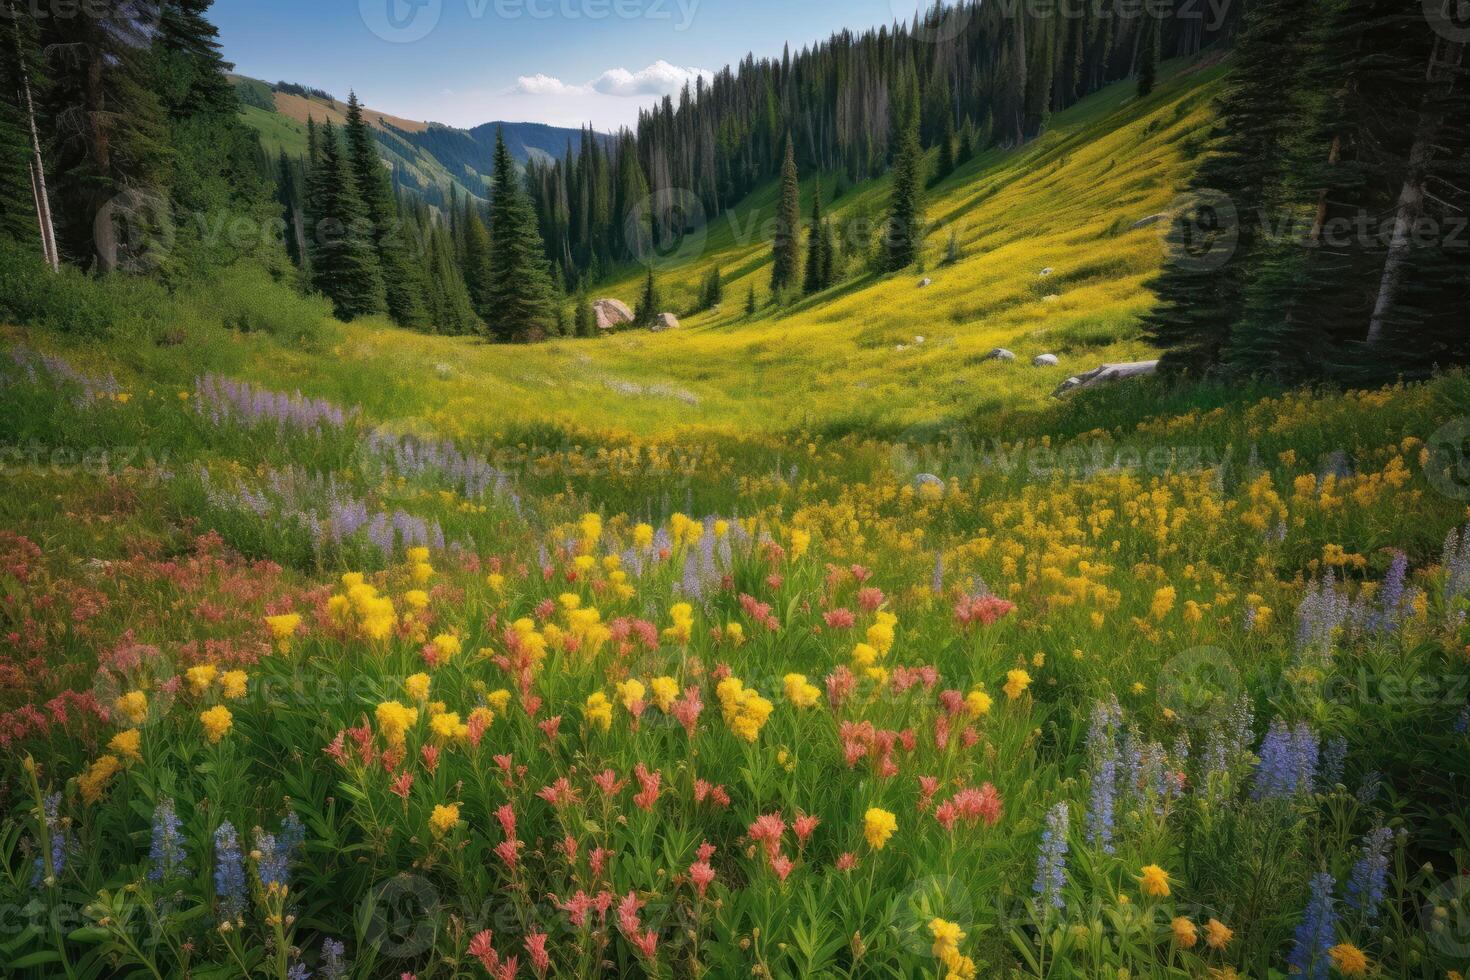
[
  {"x": 785, "y": 264},
  {"x": 647, "y": 309},
  {"x": 343, "y": 262},
  {"x": 520, "y": 302},
  {"x": 751, "y": 306},
  {"x": 447, "y": 299},
  {"x": 1148, "y": 55},
  {"x": 829, "y": 255},
  {"x": 817, "y": 260},
  {"x": 903, "y": 234},
  {"x": 952, "y": 250},
  {"x": 476, "y": 258},
  {"x": 946, "y": 149},
  {"x": 1212, "y": 248},
  {"x": 967, "y": 144},
  {"x": 17, "y": 208},
  {"x": 403, "y": 278},
  {"x": 712, "y": 293},
  {"x": 585, "y": 321}
]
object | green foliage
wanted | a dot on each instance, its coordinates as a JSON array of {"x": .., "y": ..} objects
[
  {"x": 518, "y": 296},
  {"x": 903, "y": 233},
  {"x": 785, "y": 242},
  {"x": 344, "y": 263}
]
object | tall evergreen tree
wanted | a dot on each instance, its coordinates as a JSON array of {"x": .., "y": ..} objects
[
  {"x": 403, "y": 277},
  {"x": 584, "y": 323},
  {"x": 1148, "y": 56},
  {"x": 17, "y": 209},
  {"x": 648, "y": 302},
  {"x": 818, "y": 263},
  {"x": 786, "y": 262},
  {"x": 903, "y": 234},
  {"x": 1212, "y": 247},
  {"x": 343, "y": 262},
  {"x": 475, "y": 258},
  {"x": 520, "y": 301}
]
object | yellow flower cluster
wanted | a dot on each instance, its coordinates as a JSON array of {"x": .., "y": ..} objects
[
  {"x": 217, "y": 722},
  {"x": 93, "y": 782},
  {"x": 744, "y": 710},
  {"x": 1016, "y": 683},
  {"x": 800, "y": 692},
  {"x": 947, "y": 938},
  {"x": 665, "y": 692},
  {"x": 394, "y": 721},
  {"x": 443, "y": 819},
  {"x": 282, "y": 628},
  {"x": 682, "y": 615},
  {"x": 133, "y": 706},
  {"x": 598, "y": 711},
  {"x": 128, "y": 744},
  {"x": 362, "y": 606},
  {"x": 878, "y": 826}
]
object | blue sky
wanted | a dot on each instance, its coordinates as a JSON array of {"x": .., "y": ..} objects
[{"x": 464, "y": 62}]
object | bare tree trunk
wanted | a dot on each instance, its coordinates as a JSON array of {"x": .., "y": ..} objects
[
  {"x": 1441, "y": 76},
  {"x": 38, "y": 166}
]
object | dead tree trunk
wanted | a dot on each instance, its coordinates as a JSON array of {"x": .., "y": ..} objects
[
  {"x": 1441, "y": 78},
  {"x": 37, "y": 165}
]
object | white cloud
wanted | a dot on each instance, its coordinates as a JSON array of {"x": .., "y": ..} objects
[{"x": 658, "y": 79}]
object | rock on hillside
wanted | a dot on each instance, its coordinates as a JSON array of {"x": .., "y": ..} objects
[
  {"x": 665, "y": 321},
  {"x": 611, "y": 313}
]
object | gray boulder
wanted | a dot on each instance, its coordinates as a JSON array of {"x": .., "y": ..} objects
[
  {"x": 664, "y": 321},
  {"x": 1152, "y": 219},
  {"x": 611, "y": 313},
  {"x": 925, "y": 282},
  {"x": 1045, "y": 360},
  {"x": 999, "y": 354}
]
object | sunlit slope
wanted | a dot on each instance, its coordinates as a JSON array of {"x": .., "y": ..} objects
[{"x": 1067, "y": 202}]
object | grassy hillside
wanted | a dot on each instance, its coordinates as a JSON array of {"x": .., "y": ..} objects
[{"x": 849, "y": 358}]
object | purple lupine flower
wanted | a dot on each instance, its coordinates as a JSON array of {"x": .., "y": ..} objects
[
  {"x": 274, "y": 864},
  {"x": 1367, "y": 793},
  {"x": 57, "y": 833},
  {"x": 1334, "y": 761},
  {"x": 229, "y": 872},
  {"x": 1102, "y": 749},
  {"x": 1288, "y": 761},
  {"x": 1386, "y": 613},
  {"x": 334, "y": 962},
  {"x": 1051, "y": 860},
  {"x": 1369, "y": 878},
  {"x": 1316, "y": 933},
  {"x": 1455, "y": 560},
  {"x": 1324, "y": 611},
  {"x": 298, "y": 972},
  {"x": 166, "y": 855}
]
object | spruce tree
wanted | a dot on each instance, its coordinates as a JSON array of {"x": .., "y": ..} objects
[
  {"x": 343, "y": 262},
  {"x": 786, "y": 263},
  {"x": 829, "y": 255},
  {"x": 647, "y": 309},
  {"x": 817, "y": 262},
  {"x": 584, "y": 323},
  {"x": 17, "y": 208},
  {"x": 946, "y": 149},
  {"x": 520, "y": 303},
  {"x": 751, "y": 306},
  {"x": 403, "y": 278},
  {"x": 1148, "y": 55},
  {"x": 476, "y": 258},
  {"x": 1212, "y": 248},
  {"x": 903, "y": 234},
  {"x": 967, "y": 144}
]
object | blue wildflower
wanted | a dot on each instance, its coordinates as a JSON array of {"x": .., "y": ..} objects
[
  {"x": 1051, "y": 859},
  {"x": 334, "y": 963},
  {"x": 298, "y": 972},
  {"x": 1288, "y": 761},
  {"x": 229, "y": 872},
  {"x": 56, "y": 833},
  {"x": 166, "y": 856},
  {"x": 1102, "y": 748},
  {"x": 1369, "y": 878},
  {"x": 1316, "y": 933},
  {"x": 1334, "y": 761}
]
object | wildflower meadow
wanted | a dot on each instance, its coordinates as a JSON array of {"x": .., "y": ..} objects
[{"x": 289, "y": 691}]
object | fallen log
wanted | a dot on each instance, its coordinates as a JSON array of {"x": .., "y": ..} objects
[{"x": 1107, "y": 374}]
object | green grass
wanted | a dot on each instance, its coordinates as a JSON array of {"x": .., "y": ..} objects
[{"x": 1064, "y": 202}]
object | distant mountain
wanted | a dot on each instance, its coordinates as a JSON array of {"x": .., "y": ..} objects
[{"x": 426, "y": 157}]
